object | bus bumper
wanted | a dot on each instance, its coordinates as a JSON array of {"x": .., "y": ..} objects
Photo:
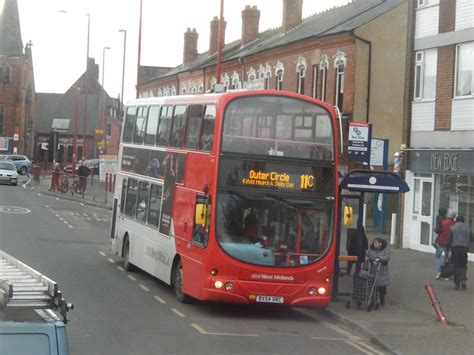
[{"x": 295, "y": 295}]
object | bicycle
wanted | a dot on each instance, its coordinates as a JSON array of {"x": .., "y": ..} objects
[{"x": 73, "y": 185}]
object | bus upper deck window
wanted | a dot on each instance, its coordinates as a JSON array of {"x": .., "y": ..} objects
[
  {"x": 179, "y": 126},
  {"x": 207, "y": 131},
  {"x": 140, "y": 125},
  {"x": 129, "y": 126},
  {"x": 152, "y": 125},
  {"x": 194, "y": 126},
  {"x": 164, "y": 126}
]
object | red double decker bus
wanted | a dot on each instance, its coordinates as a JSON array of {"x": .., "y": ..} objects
[{"x": 230, "y": 197}]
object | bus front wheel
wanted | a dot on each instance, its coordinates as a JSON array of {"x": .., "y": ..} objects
[
  {"x": 126, "y": 256},
  {"x": 178, "y": 283}
]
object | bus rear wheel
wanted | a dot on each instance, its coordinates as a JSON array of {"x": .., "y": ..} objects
[
  {"x": 178, "y": 284},
  {"x": 126, "y": 256}
]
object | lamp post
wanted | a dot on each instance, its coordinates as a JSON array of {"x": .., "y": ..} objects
[
  {"x": 139, "y": 46},
  {"x": 123, "y": 69},
  {"x": 74, "y": 143},
  {"x": 85, "y": 81},
  {"x": 103, "y": 118}
]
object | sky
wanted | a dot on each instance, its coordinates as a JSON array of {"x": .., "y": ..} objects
[{"x": 60, "y": 38}]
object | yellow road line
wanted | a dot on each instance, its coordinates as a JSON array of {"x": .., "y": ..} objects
[
  {"x": 178, "y": 313},
  {"x": 204, "y": 332},
  {"x": 159, "y": 299},
  {"x": 144, "y": 288},
  {"x": 358, "y": 347}
]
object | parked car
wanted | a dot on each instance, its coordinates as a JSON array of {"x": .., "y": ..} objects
[
  {"x": 22, "y": 163},
  {"x": 8, "y": 173}
]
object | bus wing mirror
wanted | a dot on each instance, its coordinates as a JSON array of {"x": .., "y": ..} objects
[
  {"x": 201, "y": 213},
  {"x": 347, "y": 215}
]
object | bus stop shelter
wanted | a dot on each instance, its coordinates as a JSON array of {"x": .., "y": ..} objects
[{"x": 353, "y": 186}]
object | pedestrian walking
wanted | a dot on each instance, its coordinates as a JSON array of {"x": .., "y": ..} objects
[
  {"x": 458, "y": 244},
  {"x": 28, "y": 178},
  {"x": 83, "y": 173},
  {"x": 439, "y": 218},
  {"x": 379, "y": 254},
  {"x": 36, "y": 176},
  {"x": 442, "y": 240},
  {"x": 55, "y": 178}
]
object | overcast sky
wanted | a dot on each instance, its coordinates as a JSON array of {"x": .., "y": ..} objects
[{"x": 59, "y": 39}]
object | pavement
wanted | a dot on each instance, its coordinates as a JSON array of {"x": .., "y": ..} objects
[{"x": 407, "y": 324}]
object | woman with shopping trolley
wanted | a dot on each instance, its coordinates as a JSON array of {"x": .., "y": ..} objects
[{"x": 379, "y": 254}]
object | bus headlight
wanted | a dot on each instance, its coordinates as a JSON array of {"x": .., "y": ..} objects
[
  {"x": 312, "y": 291},
  {"x": 218, "y": 284},
  {"x": 229, "y": 286},
  {"x": 322, "y": 291}
]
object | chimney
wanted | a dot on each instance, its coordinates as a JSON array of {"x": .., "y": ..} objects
[
  {"x": 190, "y": 44},
  {"x": 215, "y": 34},
  {"x": 292, "y": 14},
  {"x": 250, "y": 21}
]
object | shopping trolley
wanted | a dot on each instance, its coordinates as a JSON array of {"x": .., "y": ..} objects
[{"x": 364, "y": 287}]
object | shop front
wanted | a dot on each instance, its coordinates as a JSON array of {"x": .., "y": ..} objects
[{"x": 437, "y": 178}]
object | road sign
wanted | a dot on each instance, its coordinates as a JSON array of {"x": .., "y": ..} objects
[
  {"x": 3, "y": 143},
  {"x": 359, "y": 139},
  {"x": 99, "y": 131},
  {"x": 15, "y": 136}
]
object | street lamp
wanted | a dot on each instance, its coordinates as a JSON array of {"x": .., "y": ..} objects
[
  {"x": 85, "y": 81},
  {"x": 139, "y": 47},
  {"x": 123, "y": 69},
  {"x": 102, "y": 108}
]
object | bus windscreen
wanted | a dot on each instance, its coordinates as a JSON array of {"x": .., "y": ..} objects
[{"x": 277, "y": 126}]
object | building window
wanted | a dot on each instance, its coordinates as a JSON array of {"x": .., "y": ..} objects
[
  {"x": 109, "y": 130},
  {"x": 340, "y": 60},
  {"x": 235, "y": 81},
  {"x": 5, "y": 75},
  {"x": 301, "y": 74},
  {"x": 425, "y": 74},
  {"x": 279, "y": 73},
  {"x": 323, "y": 76},
  {"x": 465, "y": 69},
  {"x": 251, "y": 74},
  {"x": 2, "y": 119},
  {"x": 225, "y": 81},
  {"x": 314, "y": 89}
]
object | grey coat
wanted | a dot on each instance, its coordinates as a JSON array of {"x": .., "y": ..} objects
[
  {"x": 459, "y": 235},
  {"x": 383, "y": 278}
]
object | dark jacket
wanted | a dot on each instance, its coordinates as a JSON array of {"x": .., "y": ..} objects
[
  {"x": 383, "y": 277},
  {"x": 459, "y": 235}
]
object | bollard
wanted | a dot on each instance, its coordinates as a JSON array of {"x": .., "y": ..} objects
[
  {"x": 106, "y": 185},
  {"x": 393, "y": 232},
  {"x": 435, "y": 303}
]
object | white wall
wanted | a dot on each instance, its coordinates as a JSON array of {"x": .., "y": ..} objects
[
  {"x": 427, "y": 19},
  {"x": 464, "y": 14},
  {"x": 462, "y": 115},
  {"x": 423, "y": 116}
]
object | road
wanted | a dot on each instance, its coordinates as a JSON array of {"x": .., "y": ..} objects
[{"x": 117, "y": 312}]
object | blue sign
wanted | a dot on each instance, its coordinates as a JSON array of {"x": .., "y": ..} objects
[{"x": 359, "y": 140}]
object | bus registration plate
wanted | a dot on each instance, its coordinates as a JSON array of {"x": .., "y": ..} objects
[{"x": 270, "y": 299}]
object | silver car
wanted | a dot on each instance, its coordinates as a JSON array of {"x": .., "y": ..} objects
[
  {"x": 8, "y": 173},
  {"x": 22, "y": 163}
]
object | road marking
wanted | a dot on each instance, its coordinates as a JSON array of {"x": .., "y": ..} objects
[
  {"x": 159, "y": 299},
  {"x": 335, "y": 339},
  {"x": 88, "y": 218},
  {"x": 204, "y": 332},
  {"x": 112, "y": 261},
  {"x": 102, "y": 253},
  {"x": 359, "y": 347},
  {"x": 120, "y": 268},
  {"x": 62, "y": 219},
  {"x": 70, "y": 226},
  {"x": 144, "y": 288},
  {"x": 178, "y": 313},
  {"x": 65, "y": 222},
  {"x": 57, "y": 198},
  {"x": 131, "y": 278},
  {"x": 82, "y": 204},
  {"x": 98, "y": 219}
]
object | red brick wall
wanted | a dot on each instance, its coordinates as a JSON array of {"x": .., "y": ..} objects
[
  {"x": 444, "y": 87},
  {"x": 447, "y": 15}
]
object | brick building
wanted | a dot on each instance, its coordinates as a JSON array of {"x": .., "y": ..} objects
[
  {"x": 56, "y": 115},
  {"x": 440, "y": 123},
  {"x": 339, "y": 56},
  {"x": 17, "y": 88}
]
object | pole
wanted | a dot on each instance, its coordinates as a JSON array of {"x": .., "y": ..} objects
[
  {"x": 123, "y": 70},
  {"x": 393, "y": 231},
  {"x": 103, "y": 116},
  {"x": 139, "y": 46},
  {"x": 436, "y": 304},
  {"x": 86, "y": 81},
  {"x": 220, "y": 34},
  {"x": 74, "y": 145}
]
